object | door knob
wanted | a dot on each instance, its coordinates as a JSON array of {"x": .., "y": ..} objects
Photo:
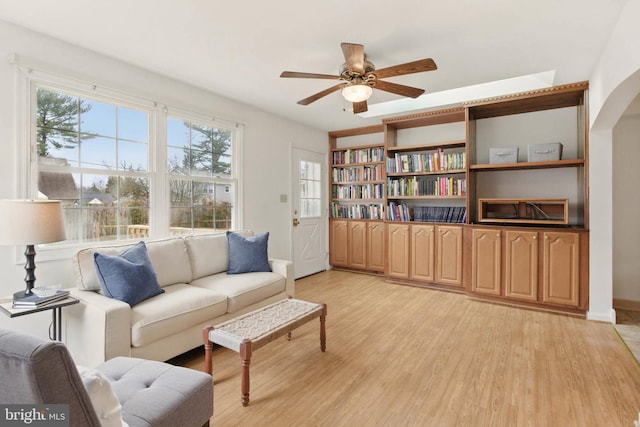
[{"x": 295, "y": 222}]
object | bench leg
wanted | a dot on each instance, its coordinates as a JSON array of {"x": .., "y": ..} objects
[
  {"x": 245, "y": 355},
  {"x": 323, "y": 334},
  {"x": 207, "y": 349}
]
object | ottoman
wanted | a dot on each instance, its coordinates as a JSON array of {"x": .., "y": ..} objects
[{"x": 159, "y": 394}]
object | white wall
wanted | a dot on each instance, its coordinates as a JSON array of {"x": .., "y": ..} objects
[
  {"x": 626, "y": 209},
  {"x": 613, "y": 85},
  {"x": 267, "y": 147}
]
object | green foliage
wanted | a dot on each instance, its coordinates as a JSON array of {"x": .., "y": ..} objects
[{"x": 57, "y": 120}]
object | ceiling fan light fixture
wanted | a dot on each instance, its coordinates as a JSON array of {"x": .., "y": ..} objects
[{"x": 357, "y": 92}]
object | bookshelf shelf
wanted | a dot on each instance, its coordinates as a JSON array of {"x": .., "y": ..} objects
[{"x": 567, "y": 163}]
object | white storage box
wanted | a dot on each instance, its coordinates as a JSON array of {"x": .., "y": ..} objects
[
  {"x": 544, "y": 152},
  {"x": 503, "y": 155}
]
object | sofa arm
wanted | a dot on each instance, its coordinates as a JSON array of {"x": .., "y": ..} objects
[
  {"x": 97, "y": 329},
  {"x": 285, "y": 268}
]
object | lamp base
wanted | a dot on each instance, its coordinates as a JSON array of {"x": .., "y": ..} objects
[{"x": 20, "y": 295}]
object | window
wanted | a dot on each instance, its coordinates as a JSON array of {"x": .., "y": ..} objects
[
  {"x": 93, "y": 156},
  {"x": 310, "y": 189},
  {"x": 106, "y": 157},
  {"x": 199, "y": 162}
]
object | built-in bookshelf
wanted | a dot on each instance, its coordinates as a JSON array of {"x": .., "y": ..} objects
[{"x": 426, "y": 182}]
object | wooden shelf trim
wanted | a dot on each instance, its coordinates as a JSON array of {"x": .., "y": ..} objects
[
  {"x": 424, "y": 173},
  {"x": 356, "y": 131},
  {"x": 357, "y": 182},
  {"x": 428, "y": 118},
  {"x": 444, "y": 145},
  {"x": 380, "y": 200},
  {"x": 528, "y": 165},
  {"x": 358, "y": 147},
  {"x": 425, "y": 197},
  {"x": 354, "y": 165}
]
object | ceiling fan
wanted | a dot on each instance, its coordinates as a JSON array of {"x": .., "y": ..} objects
[{"x": 358, "y": 77}]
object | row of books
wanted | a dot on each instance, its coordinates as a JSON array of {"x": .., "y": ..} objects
[
  {"x": 449, "y": 214},
  {"x": 34, "y": 301},
  {"x": 426, "y": 162},
  {"x": 357, "y": 191},
  {"x": 365, "y": 173},
  {"x": 362, "y": 155},
  {"x": 440, "y": 186},
  {"x": 455, "y": 214},
  {"x": 356, "y": 211}
]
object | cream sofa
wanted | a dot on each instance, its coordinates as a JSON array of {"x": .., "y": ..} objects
[{"x": 198, "y": 291}]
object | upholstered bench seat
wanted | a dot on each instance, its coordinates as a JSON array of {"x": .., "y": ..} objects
[{"x": 159, "y": 394}]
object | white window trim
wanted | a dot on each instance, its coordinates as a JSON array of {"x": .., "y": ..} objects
[{"x": 30, "y": 74}]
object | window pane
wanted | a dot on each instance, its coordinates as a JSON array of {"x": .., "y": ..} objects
[
  {"x": 178, "y": 133},
  {"x": 310, "y": 189},
  {"x": 132, "y": 156},
  {"x": 60, "y": 147},
  {"x": 178, "y": 161},
  {"x": 57, "y": 111},
  {"x": 132, "y": 125},
  {"x": 97, "y": 152},
  {"x": 97, "y": 118}
]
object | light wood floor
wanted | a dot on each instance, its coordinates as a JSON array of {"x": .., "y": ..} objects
[{"x": 406, "y": 356}]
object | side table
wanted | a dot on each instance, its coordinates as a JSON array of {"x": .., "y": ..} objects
[{"x": 56, "y": 306}]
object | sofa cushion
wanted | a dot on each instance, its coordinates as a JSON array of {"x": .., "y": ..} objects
[
  {"x": 248, "y": 254},
  {"x": 243, "y": 290},
  {"x": 181, "y": 307},
  {"x": 169, "y": 258},
  {"x": 128, "y": 276},
  {"x": 208, "y": 253}
]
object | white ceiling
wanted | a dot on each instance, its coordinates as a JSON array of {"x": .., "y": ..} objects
[{"x": 239, "y": 48}]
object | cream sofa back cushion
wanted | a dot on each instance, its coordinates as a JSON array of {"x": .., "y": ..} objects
[
  {"x": 209, "y": 253},
  {"x": 169, "y": 258}
]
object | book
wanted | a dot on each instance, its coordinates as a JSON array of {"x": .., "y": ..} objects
[{"x": 33, "y": 301}]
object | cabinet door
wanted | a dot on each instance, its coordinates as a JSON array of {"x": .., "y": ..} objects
[
  {"x": 485, "y": 261},
  {"x": 422, "y": 252},
  {"x": 358, "y": 244},
  {"x": 340, "y": 243},
  {"x": 449, "y": 255},
  {"x": 561, "y": 266},
  {"x": 521, "y": 269},
  {"x": 375, "y": 246},
  {"x": 399, "y": 251}
]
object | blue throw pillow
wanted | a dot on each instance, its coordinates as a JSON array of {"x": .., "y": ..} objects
[
  {"x": 247, "y": 254},
  {"x": 128, "y": 277}
]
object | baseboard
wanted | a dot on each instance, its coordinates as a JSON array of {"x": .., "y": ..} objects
[
  {"x": 626, "y": 304},
  {"x": 602, "y": 317}
]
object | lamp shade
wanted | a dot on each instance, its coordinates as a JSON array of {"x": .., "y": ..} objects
[
  {"x": 357, "y": 92},
  {"x": 29, "y": 222}
]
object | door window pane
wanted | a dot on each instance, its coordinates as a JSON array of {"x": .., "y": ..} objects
[{"x": 310, "y": 189}]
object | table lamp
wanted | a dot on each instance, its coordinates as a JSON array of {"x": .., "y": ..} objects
[{"x": 30, "y": 222}]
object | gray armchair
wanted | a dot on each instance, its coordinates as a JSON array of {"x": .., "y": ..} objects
[{"x": 35, "y": 371}]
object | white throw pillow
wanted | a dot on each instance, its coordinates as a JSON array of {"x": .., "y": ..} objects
[{"x": 104, "y": 400}]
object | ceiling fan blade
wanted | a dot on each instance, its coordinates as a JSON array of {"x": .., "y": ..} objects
[
  {"x": 354, "y": 56},
  {"x": 295, "y": 74},
  {"x": 359, "y": 107},
  {"x": 319, "y": 95},
  {"x": 412, "y": 92},
  {"x": 408, "y": 68}
]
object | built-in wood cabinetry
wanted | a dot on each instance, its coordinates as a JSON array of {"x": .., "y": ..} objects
[
  {"x": 424, "y": 253},
  {"x": 452, "y": 216},
  {"x": 542, "y": 267},
  {"x": 357, "y": 245}
]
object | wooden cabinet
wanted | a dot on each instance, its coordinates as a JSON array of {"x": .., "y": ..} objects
[
  {"x": 485, "y": 261},
  {"x": 510, "y": 264},
  {"x": 375, "y": 246},
  {"x": 561, "y": 268},
  {"x": 521, "y": 265},
  {"x": 357, "y": 245},
  {"x": 425, "y": 253},
  {"x": 339, "y": 248},
  {"x": 449, "y": 255},
  {"x": 398, "y": 250}
]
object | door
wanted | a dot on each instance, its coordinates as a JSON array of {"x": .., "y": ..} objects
[
  {"x": 485, "y": 261},
  {"x": 449, "y": 255},
  {"x": 309, "y": 208},
  {"x": 423, "y": 252}
]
